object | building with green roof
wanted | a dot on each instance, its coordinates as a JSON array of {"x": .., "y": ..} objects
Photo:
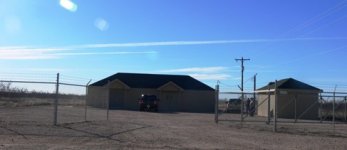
[
  {"x": 177, "y": 93},
  {"x": 295, "y": 99}
]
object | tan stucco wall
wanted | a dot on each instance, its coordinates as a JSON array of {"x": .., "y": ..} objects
[
  {"x": 294, "y": 105},
  {"x": 97, "y": 96},
  {"x": 171, "y": 100},
  {"x": 263, "y": 104},
  {"x": 287, "y": 107},
  {"x": 198, "y": 101}
]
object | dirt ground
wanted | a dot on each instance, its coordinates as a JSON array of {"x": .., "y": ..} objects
[{"x": 31, "y": 128}]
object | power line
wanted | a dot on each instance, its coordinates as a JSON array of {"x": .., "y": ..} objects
[
  {"x": 312, "y": 20},
  {"x": 310, "y": 55},
  {"x": 326, "y": 25},
  {"x": 249, "y": 79},
  {"x": 228, "y": 85},
  {"x": 317, "y": 18},
  {"x": 74, "y": 77}
]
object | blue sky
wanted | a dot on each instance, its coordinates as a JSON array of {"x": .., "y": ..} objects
[{"x": 86, "y": 40}]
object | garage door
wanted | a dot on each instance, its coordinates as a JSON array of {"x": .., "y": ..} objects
[
  {"x": 169, "y": 102},
  {"x": 116, "y": 99}
]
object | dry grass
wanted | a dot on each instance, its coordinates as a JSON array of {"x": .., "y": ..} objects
[
  {"x": 34, "y": 101},
  {"x": 30, "y": 128}
]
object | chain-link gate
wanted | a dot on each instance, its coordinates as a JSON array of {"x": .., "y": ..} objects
[{"x": 286, "y": 111}]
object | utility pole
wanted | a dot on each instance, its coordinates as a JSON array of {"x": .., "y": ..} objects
[{"x": 241, "y": 88}]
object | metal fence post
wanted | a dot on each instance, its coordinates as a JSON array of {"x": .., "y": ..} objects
[
  {"x": 242, "y": 107},
  {"x": 320, "y": 107},
  {"x": 216, "y": 104},
  {"x": 56, "y": 101},
  {"x": 295, "y": 109},
  {"x": 108, "y": 100},
  {"x": 85, "y": 105},
  {"x": 345, "y": 108},
  {"x": 334, "y": 108},
  {"x": 275, "y": 110},
  {"x": 268, "y": 105}
]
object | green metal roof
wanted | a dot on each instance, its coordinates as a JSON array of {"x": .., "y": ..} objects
[
  {"x": 137, "y": 80},
  {"x": 290, "y": 83}
]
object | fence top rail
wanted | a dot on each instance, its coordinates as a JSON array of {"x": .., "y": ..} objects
[
  {"x": 19, "y": 81},
  {"x": 41, "y": 82},
  {"x": 335, "y": 93},
  {"x": 250, "y": 92},
  {"x": 333, "y": 96},
  {"x": 236, "y": 92},
  {"x": 272, "y": 90},
  {"x": 265, "y": 91},
  {"x": 73, "y": 84}
]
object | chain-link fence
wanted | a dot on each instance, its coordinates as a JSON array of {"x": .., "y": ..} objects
[
  {"x": 45, "y": 101},
  {"x": 289, "y": 111}
]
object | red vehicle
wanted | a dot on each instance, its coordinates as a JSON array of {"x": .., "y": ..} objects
[{"x": 149, "y": 103}]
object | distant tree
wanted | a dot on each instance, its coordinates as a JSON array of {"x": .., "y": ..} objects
[{"x": 5, "y": 87}]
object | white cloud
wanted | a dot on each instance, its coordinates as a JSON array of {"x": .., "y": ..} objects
[
  {"x": 179, "y": 43},
  {"x": 26, "y": 57},
  {"x": 27, "y": 53},
  {"x": 44, "y": 69},
  {"x": 31, "y": 52},
  {"x": 103, "y": 53},
  {"x": 166, "y": 43},
  {"x": 212, "y": 76},
  {"x": 196, "y": 69},
  {"x": 12, "y": 47},
  {"x": 202, "y": 73},
  {"x": 24, "y": 53}
]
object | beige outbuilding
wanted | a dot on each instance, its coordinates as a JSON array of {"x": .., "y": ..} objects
[
  {"x": 295, "y": 100},
  {"x": 177, "y": 93}
]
